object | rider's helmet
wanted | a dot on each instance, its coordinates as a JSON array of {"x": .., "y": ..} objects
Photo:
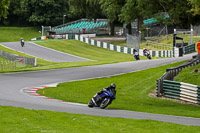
[{"x": 112, "y": 85}]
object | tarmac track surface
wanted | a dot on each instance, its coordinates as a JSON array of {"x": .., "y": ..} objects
[
  {"x": 38, "y": 51},
  {"x": 13, "y": 83}
]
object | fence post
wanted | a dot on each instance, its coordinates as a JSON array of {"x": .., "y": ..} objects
[
  {"x": 1, "y": 66},
  {"x": 158, "y": 88},
  {"x": 35, "y": 63},
  {"x": 15, "y": 65}
]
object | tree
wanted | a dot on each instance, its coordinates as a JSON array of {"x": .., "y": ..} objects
[
  {"x": 111, "y": 8},
  {"x": 45, "y": 12},
  {"x": 195, "y": 6},
  {"x": 4, "y": 4},
  {"x": 85, "y": 9},
  {"x": 130, "y": 12},
  {"x": 37, "y": 12}
]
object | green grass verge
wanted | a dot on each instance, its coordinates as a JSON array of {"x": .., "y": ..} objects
[
  {"x": 74, "y": 47},
  {"x": 13, "y": 34},
  {"x": 81, "y": 49},
  {"x": 19, "y": 120},
  {"x": 188, "y": 75},
  {"x": 119, "y": 43},
  {"x": 133, "y": 95}
]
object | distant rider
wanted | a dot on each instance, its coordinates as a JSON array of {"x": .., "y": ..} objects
[
  {"x": 135, "y": 52},
  {"x": 22, "y": 42},
  {"x": 145, "y": 51}
]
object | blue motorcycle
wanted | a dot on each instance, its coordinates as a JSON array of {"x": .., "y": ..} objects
[{"x": 102, "y": 100}]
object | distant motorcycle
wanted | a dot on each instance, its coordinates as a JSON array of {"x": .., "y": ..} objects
[
  {"x": 22, "y": 42},
  {"x": 147, "y": 54},
  {"x": 136, "y": 54},
  {"x": 102, "y": 100}
]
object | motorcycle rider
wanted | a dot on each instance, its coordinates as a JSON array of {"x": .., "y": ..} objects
[
  {"x": 145, "y": 51},
  {"x": 22, "y": 42},
  {"x": 136, "y": 54},
  {"x": 111, "y": 87},
  {"x": 104, "y": 97}
]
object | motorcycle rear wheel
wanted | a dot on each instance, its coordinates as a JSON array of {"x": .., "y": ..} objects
[{"x": 105, "y": 102}]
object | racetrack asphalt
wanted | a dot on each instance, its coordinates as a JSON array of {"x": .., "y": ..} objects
[
  {"x": 13, "y": 83},
  {"x": 41, "y": 52}
]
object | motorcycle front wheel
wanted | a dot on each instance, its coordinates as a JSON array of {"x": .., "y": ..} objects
[
  {"x": 90, "y": 104},
  {"x": 105, "y": 102}
]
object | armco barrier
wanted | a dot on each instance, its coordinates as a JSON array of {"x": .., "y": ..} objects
[
  {"x": 179, "y": 90},
  {"x": 189, "y": 49},
  {"x": 182, "y": 91},
  {"x": 26, "y": 60}
]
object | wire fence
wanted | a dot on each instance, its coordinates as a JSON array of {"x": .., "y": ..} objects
[
  {"x": 159, "y": 45},
  {"x": 8, "y": 66},
  {"x": 196, "y": 30},
  {"x": 133, "y": 41},
  {"x": 13, "y": 57}
]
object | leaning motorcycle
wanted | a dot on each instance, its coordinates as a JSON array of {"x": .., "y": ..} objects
[
  {"x": 147, "y": 54},
  {"x": 22, "y": 44},
  {"x": 137, "y": 57},
  {"x": 102, "y": 100}
]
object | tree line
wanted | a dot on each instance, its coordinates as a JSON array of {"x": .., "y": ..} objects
[{"x": 182, "y": 13}]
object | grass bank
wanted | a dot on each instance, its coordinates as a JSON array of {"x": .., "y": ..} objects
[
  {"x": 74, "y": 47},
  {"x": 189, "y": 75},
  {"x": 132, "y": 93},
  {"x": 77, "y": 48},
  {"x": 13, "y": 34},
  {"x": 81, "y": 49},
  {"x": 19, "y": 120}
]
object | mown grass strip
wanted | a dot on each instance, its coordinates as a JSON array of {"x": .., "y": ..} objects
[
  {"x": 132, "y": 93},
  {"x": 81, "y": 49},
  {"x": 19, "y": 120}
]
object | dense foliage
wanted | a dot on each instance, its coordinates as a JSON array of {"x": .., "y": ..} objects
[
  {"x": 182, "y": 13},
  {"x": 3, "y": 8}
]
